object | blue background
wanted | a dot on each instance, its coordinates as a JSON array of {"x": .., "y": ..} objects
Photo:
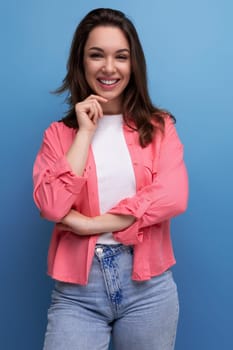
[{"x": 188, "y": 45}]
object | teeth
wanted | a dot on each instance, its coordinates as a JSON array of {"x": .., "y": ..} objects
[{"x": 108, "y": 82}]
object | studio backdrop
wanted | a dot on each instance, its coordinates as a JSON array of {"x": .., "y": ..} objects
[{"x": 189, "y": 52}]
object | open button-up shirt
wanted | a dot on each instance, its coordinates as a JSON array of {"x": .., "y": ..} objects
[{"x": 161, "y": 193}]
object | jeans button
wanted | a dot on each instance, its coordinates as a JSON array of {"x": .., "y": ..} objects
[{"x": 99, "y": 251}]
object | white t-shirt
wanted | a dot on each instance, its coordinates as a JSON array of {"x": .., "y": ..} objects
[{"x": 114, "y": 168}]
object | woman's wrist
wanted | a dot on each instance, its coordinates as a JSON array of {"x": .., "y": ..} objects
[{"x": 85, "y": 133}]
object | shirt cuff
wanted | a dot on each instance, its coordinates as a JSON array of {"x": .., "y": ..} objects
[
  {"x": 130, "y": 236},
  {"x": 62, "y": 170},
  {"x": 131, "y": 206}
]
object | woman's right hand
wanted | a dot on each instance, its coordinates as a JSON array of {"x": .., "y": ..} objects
[{"x": 88, "y": 112}]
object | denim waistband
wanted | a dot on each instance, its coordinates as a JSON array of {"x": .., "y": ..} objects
[{"x": 111, "y": 249}]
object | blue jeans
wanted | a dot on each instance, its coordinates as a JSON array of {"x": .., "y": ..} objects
[{"x": 135, "y": 315}]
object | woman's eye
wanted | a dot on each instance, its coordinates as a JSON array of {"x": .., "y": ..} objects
[
  {"x": 122, "y": 57},
  {"x": 95, "y": 55}
]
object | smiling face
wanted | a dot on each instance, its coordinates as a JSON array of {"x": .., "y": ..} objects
[{"x": 107, "y": 65}]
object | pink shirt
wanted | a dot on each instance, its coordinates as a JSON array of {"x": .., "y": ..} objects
[{"x": 161, "y": 193}]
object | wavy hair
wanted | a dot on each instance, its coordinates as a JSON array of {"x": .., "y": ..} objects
[{"x": 139, "y": 113}]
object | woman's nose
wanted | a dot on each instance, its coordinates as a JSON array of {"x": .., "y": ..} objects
[{"x": 109, "y": 66}]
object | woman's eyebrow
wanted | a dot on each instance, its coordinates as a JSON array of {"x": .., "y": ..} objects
[{"x": 96, "y": 48}]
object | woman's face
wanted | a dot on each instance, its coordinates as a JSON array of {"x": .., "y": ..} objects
[{"x": 107, "y": 65}]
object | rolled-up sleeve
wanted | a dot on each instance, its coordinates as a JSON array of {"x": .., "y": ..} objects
[
  {"x": 165, "y": 198},
  {"x": 56, "y": 186}
]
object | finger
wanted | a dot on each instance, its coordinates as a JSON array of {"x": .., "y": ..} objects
[
  {"x": 99, "y": 111},
  {"x": 93, "y": 110},
  {"x": 98, "y": 98},
  {"x": 92, "y": 98}
]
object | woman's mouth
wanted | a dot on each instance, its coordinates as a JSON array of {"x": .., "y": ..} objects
[{"x": 108, "y": 82}]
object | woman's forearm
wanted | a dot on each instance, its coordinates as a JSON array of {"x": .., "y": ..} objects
[
  {"x": 78, "y": 152},
  {"x": 110, "y": 223},
  {"x": 84, "y": 225}
]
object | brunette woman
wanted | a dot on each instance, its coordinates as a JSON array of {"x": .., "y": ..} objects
[{"x": 110, "y": 175}]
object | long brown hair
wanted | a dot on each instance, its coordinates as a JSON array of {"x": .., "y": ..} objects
[{"x": 138, "y": 111}]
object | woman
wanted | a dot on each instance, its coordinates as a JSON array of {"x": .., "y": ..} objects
[{"x": 110, "y": 175}]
